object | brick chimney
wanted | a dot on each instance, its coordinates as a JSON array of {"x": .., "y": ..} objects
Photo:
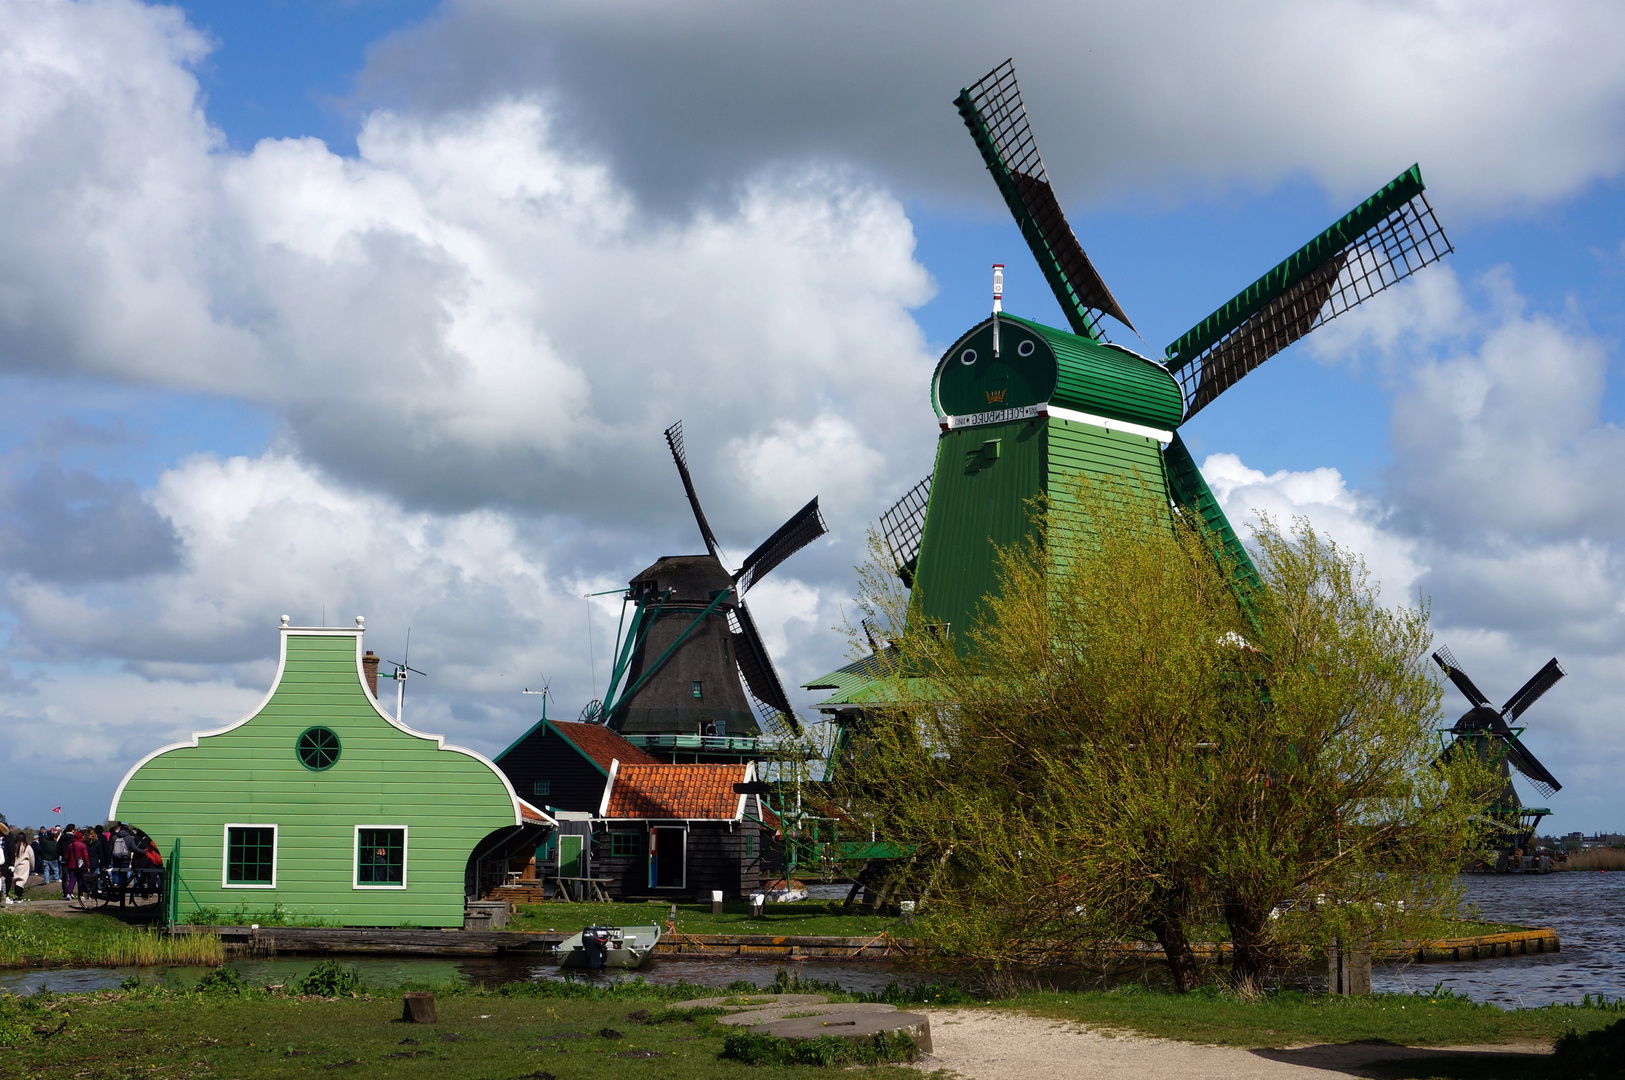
[{"x": 369, "y": 664}]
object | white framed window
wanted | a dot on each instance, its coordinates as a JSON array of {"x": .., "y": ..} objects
[
  {"x": 380, "y": 857},
  {"x": 248, "y": 856}
]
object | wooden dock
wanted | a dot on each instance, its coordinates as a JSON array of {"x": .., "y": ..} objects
[{"x": 270, "y": 940}]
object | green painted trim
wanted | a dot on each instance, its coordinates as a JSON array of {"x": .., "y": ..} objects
[
  {"x": 1295, "y": 267},
  {"x": 337, "y": 741},
  {"x": 1189, "y": 489},
  {"x": 689, "y": 629}
]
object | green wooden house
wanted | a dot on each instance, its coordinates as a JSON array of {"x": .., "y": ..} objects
[{"x": 322, "y": 803}]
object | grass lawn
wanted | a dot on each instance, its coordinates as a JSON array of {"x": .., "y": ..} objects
[
  {"x": 1289, "y": 1018},
  {"x": 479, "y": 1035},
  {"x": 821, "y": 917}
]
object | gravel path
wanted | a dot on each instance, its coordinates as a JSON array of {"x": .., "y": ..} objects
[{"x": 986, "y": 1045}]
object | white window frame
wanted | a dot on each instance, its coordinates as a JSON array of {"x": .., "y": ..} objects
[
  {"x": 355, "y": 856},
  {"x": 225, "y": 854}
]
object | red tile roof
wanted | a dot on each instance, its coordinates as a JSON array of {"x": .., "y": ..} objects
[
  {"x": 532, "y": 815},
  {"x": 601, "y": 744},
  {"x": 676, "y": 791}
]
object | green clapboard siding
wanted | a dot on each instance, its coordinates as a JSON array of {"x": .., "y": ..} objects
[
  {"x": 979, "y": 501},
  {"x": 448, "y": 799}
]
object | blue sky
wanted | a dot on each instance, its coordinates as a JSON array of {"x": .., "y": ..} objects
[{"x": 383, "y": 306}]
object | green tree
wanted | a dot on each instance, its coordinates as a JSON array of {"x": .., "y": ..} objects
[{"x": 1122, "y": 746}]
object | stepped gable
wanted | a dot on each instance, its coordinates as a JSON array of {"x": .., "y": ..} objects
[
  {"x": 601, "y": 744},
  {"x": 669, "y": 792}
]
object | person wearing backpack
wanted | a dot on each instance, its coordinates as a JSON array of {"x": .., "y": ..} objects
[
  {"x": 123, "y": 847},
  {"x": 50, "y": 853}
]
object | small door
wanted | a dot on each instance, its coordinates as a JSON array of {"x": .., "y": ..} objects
[
  {"x": 570, "y": 856},
  {"x": 668, "y": 862}
]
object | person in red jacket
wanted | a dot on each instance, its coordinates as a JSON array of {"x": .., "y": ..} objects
[{"x": 75, "y": 861}]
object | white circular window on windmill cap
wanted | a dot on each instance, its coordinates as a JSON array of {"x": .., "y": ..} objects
[
  {"x": 1025, "y": 348},
  {"x": 968, "y": 356}
]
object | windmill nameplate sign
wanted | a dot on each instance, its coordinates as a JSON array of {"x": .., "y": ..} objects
[{"x": 998, "y": 416}]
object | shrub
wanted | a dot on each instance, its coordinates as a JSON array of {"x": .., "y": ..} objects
[
  {"x": 222, "y": 981},
  {"x": 1604, "y": 1047},
  {"x": 825, "y": 1050},
  {"x": 329, "y": 978}
]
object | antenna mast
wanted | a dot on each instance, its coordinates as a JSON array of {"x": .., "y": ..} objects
[{"x": 998, "y": 304}]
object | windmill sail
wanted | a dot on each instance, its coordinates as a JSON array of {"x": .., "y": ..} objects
[
  {"x": 805, "y": 526},
  {"x": 901, "y": 527},
  {"x": 997, "y": 120},
  {"x": 1543, "y": 680},
  {"x": 1447, "y": 660},
  {"x": 674, "y": 439},
  {"x": 1379, "y": 243},
  {"x": 757, "y": 667}
]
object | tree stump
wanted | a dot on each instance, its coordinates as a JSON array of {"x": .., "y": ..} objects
[{"x": 417, "y": 1007}]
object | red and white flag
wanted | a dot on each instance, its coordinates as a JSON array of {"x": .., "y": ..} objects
[{"x": 56, "y": 809}]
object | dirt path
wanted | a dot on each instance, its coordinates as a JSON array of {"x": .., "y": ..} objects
[{"x": 979, "y": 1044}]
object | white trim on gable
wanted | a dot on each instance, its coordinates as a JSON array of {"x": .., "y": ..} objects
[
  {"x": 355, "y": 632},
  {"x": 609, "y": 786}
]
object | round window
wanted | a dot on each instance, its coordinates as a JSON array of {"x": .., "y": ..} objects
[
  {"x": 318, "y": 748},
  {"x": 968, "y": 356},
  {"x": 1025, "y": 348}
]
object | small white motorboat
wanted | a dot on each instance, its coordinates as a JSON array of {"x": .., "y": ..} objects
[{"x": 599, "y": 947}]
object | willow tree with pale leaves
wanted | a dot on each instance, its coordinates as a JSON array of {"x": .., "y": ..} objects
[{"x": 1140, "y": 740}]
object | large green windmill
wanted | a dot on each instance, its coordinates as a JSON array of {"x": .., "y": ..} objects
[{"x": 1022, "y": 405}]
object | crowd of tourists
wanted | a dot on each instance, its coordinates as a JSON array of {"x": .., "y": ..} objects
[{"x": 97, "y": 861}]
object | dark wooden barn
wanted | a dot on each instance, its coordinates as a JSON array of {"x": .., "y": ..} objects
[
  {"x": 679, "y": 831},
  {"x": 564, "y": 764}
]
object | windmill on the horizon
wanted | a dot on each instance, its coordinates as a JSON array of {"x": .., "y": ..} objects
[{"x": 1489, "y": 732}]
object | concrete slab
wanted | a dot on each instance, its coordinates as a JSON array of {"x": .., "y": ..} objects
[
  {"x": 780, "y": 1012},
  {"x": 853, "y": 1026}
]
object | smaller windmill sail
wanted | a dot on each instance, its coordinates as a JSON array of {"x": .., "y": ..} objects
[
  {"x": 805, "y": 526},
  {"x": 1543, "y": 680},
  {"x": 997, "y": 120},
  {"x": 901, "y": 527},
  {"x": 1378, "y": 244},
  {"x": 757, "y": 666},
  {"x": 674, "y": 439}
]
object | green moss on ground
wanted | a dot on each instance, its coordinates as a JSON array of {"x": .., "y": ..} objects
[{"x": 569, "y": 1032}]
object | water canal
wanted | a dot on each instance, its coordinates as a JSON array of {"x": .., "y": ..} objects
[{"x": 1586, "y": 909}]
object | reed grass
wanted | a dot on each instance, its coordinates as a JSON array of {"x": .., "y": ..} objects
[
  {"x": 35, "y": 940},
  {"x": 1609, "y": 858}
]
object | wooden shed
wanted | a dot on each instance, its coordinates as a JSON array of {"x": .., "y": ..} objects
[
  {"x": 323, "y": 804},
  {"x": 670, "y": 831}
]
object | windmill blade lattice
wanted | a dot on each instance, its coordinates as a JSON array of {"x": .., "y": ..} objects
[
  {"x": 674, "y": 439},
  {"x": 757, "y": 666},
  {"x": 997, "y": 119},
  {"x": 1447, "y": 660},
  {"x": 1543, "y": 680},
  {"x": 804, "y": 526},
  {"x": 1376, "y": 245},
  {"x": 902, "y": 525}
]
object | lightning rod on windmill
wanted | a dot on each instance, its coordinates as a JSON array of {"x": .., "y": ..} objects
[{"x": 998, "y": 302}]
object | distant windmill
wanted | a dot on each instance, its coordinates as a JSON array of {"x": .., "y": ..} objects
[
  {"x": 1488, "y": 732},
  {"x": 401, "y": 672},
  {"x": 678, "y": 664}
]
